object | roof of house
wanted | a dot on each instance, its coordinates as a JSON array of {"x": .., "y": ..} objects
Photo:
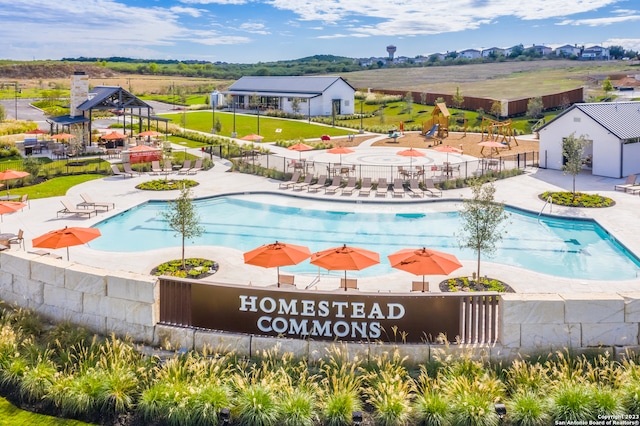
[
  {"x": 619, "y": 118},
  {"x": 285, "y": 85},
  {"x": 111, "y": 97}
]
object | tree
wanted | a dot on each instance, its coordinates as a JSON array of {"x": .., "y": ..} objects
[
  {"x": 606, "y": 85},
  {"x": 483, "y": 221},
  {"x": 572, "y": 150},
  {"x": 408, "y": 100},
  {"x": 496, "y": 109},
  {"x": 3, "y": 113},
  {"x": 458, "y": 99},
  {"x": 535, "y": 107},
  {"x": 183, "y": 218},
  {"x": 218, "y": 125},
  {"x": 295, "y": 105}
]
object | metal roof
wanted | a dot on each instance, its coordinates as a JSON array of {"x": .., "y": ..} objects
[
  {"x": 285, "y": 86},
  {"x": 66, "y": 120},
  {"x": 622, "y": 119},
  {"x": 111, "y": 97},
  {"x": 276, "y": 94}
]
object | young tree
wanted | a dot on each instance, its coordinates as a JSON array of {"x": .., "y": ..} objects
[
  {"x": 295, "y": 105},
  {"x": 458, "y": 99},
  {"x": 572, "y": 150},
  {"x": 607, "y": 86},
  {"x": 496, "y": 109},
  {"x": 535, "y": 107},
  {"x": 183, "y": 218},
  {"x": 408, "y": 101},
  {"x": 483, "y": 221}
]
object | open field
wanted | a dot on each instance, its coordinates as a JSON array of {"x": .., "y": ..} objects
[{"x": 503, "y": 80}]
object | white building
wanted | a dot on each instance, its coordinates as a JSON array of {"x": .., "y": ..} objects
[
  {"x": 470, "y": 54},
  {"x": 568, "y": 50},
  {"x": 613, "y": 131},
  {"x": 315, "y": 96}
]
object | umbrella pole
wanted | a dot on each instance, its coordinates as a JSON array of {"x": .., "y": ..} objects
[
  {"x": 278, "y": 277},
  {"x": 345, "y": 280},
  {"x": 67, "y": 252}
]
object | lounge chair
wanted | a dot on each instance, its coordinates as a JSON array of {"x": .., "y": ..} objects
[
  {"x": 415, "y": 189},
  {"x": 88, "y": 202},
  {"x": 348, "y": 283},
  {"x": 69, "y": 209},
  {"x": 116, "y": 171},
  {"x": 382, "y": 187},
  {"x": 167, "y": 167},
  {"x": 631, "y": 181},
  {"x": 431, "y": 188},
  {"x": 186, "y": 166},
  {"x": 25, "y": 200},
  {"x": 350, "y": 187},
  {"x": 398, "y": 187},
  {"x": 18, "y": 239},
  {"x": 322, "y": 181},
  {"x": 155, "y": 168},
  {"x": 302, "y": 185},
  {"x": 365, "y": 189},
  {"x": 286, "y": 280},
  {"x": 335, "y": 185},
  {"x": 420, "y": 286},
  {"x": 196, "y": 167},
  {"x": 127, "y": 169},
  {"x": 294, "y": 179}
]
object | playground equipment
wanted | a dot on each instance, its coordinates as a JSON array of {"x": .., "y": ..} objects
[
  {"x": 498, "y": 131},
  {"x": 439, "y": 115}
]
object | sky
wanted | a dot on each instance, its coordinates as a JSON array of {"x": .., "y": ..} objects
[{"x": 251, "y": 31}]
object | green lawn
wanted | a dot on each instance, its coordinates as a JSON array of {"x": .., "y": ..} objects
[
  {"x": 10, "y": 415},
  {"x": 272, "y": 129},
  {"x": 54, "y": 187}
]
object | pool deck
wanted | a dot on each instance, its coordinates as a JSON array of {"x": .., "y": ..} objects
[{"x": 521, "y": 191}]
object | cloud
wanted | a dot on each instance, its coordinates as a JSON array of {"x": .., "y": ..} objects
[
  {"x": 196, "y": 13},
  {"x": 222, "y": 2},
  {"x": 254, "y": 28},
  {"x": 600, "y": 22},
  {"x": 628, "y": 43}
]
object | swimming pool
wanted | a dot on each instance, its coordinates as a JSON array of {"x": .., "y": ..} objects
[{"x": 570, "y": 248}]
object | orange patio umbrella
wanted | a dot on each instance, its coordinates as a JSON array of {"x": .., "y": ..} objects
[
  {"x": 411, "y": 153},
  {"x": 492, "y": 145},
  {"x": 114, "y": 136},
  {"x": 12, "y": 174},
  {"x": 149, "y": 133},
  {"x": 36, "y": 132},
  {"x": 277, "y": 254},
  {"x": 66, "y": 237},
  {"x": 448, "y": 149},
  {"x": 63, "y": 136},
  {"x": 252, "y": 137},
  {"x": 300, "y": 147},
  {"x": 424, "y": 262},
  {"x": 10, "y": 207},
  {"x": 340, "y": 150},
  {"x": 345, "y": 259}
]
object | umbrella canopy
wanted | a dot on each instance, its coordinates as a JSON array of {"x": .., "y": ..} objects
[
  {"x": 276, "y": 255},
  {"x": 36, "y": 132},
  {"x": 149, "y": 133},
  {"x": 491, "y": 145},
  {"x": 448, "y": 149},
  {"x": 66, "y": 237},
  {"x": 325, "y": 137},
  {"x": 424, "y": 262},
  {"x": 61, "y": 136},
  {"x": 12, "y": 174},
  {"x": 300, "y": 147},
  {"x": 411, "y": 153},
  {"x": 10, "y": 207},
  {"x": 340, "y": 150},
  {"x": 114, "y": 136},
  {"x": 345, "y": 259},
  {"x": 252, "y": 137}
]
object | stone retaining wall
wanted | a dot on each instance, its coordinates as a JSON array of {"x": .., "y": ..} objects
[{"x": 127, "y": 304}]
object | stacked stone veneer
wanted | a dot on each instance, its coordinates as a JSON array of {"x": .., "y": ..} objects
[
  {"x": 127, "y": 304},
  {"x": 103, "y": 301}
]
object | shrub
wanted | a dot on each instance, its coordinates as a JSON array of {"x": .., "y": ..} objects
[
  {"x": 572, "y": 402},
  {"x": 528, "y": 409},
  {"x": 577, "y": 199},
  {"x": 166, "y": 184}
]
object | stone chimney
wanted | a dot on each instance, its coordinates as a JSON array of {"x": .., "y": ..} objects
[{"x": 79, "y": 92}]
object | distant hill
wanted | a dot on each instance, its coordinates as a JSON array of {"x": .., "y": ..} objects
[{"x": 49, "y": 70}]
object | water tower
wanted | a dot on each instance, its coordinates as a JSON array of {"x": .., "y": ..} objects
[{"x": 391, "y": 49}]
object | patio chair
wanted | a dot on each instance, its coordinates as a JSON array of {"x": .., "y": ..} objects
[
  {"x": 348, "y": 283},
  {"x": 398, "y": 187},
  {"x": 322, "y": 181},
  {"x": 196, "y": 167},
  {"x": 25, "y": 200},
  {"x": 286, "y": 280},
  {"x": 350, "y": 187},
  {"x": 302, "y": 185},
  {"x": 414, "y": 188},
  {"x": 116, "y": 171},
  {"x": 186, "y": 166},
  {"x": 335, "y": 185},
  {"x": 420, "y": 286},
  {"x": 431, "y": 188},
  {"x": 70, "y": 209},
  {"x": 631, "y": 181},
  {"x": 365, "y": 189},
  {"x": 87, "y": 201},
  {"x": 294, "y": 179},
  {"x": 167, "y": 167},
  {"x": 127, "y": 169},
  {"x": 18, "y": 239},
  {"x": 155, "y": 168},
  {"x": 382, "y": 187}
]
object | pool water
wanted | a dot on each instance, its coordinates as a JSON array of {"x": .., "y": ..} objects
[{"x": 562, "y": 247}]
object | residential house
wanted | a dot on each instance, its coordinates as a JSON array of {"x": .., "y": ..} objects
[
  {"x": 612, "y": 131},
  {"x": 322, "y": 95},
  {"x": 542, "y": 50},
  {"x": 568, "y": 50},
  {"x": 595, "y": 53},
  {"x": 470, "y": 54},
  {"x": 493, "y": 51}
]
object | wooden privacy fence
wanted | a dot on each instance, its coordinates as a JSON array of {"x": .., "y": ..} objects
[{"x": 423, "y": 317}]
